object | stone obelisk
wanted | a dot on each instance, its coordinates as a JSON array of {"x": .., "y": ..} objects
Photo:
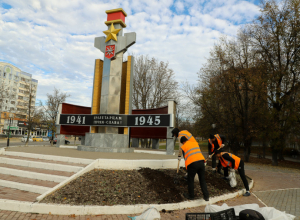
[
  {"x": 112, "y": 85},
  {"x": 114, "y": 45}
]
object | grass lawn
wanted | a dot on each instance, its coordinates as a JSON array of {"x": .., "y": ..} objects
[
  {"x": 202, "y": 144},
  {"x": 163, "y": 147}
]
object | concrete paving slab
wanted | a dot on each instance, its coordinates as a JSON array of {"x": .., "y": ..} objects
[
  {"x": 287, "y": 200},
  {"x": 266, "y": 178},
  {"x": 89, "y": 155}
]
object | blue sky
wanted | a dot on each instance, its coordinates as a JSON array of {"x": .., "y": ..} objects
[{"x": 54, "y": 39}]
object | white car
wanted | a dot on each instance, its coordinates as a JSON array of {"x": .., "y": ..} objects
[
  {"x": 24, "y": 139},
  {"x": 45, "y": 138}
]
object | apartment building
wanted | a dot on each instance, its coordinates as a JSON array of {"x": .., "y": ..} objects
[{"x": 15, "y": 85}]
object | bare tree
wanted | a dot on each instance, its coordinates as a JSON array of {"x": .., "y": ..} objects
[
  {"x": 50, "y": 108},
  {"x": 275, "y": 35},
  {"x": 3, "y": 94},
  {"x": 34, "y": 114},
  {"x": 6, "y": 95},
  {"x": 153, "y": 83}
]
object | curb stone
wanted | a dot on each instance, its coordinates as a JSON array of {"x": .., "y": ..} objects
[{"x": 43, "y": 208}]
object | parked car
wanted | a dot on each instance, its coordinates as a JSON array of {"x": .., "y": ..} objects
[
  {"x": 24, "y": 139},
  {"x": 45, "y": 138},
  {"x": 37, "y": 138},
  {"x": 55, "y": 141}
]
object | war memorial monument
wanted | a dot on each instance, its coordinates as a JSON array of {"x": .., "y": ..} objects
[{"x": 105, "y": 127}]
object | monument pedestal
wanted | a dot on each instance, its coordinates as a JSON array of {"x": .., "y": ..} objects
[
  {"x": 170, "y": 142},
  {"x": 102, "y": 142},
  {"x": 60, "y": 140},
  {"x": 105, "y": 149}
]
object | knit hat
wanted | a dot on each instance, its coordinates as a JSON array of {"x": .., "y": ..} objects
[
  {"x": 175, "y": 132},
  {"x": 183, "y": 139},
  {"x": 211, "y": 136}
]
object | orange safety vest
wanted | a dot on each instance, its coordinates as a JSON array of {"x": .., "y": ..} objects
[
  {"x": 212, "y": 145},
  {"x": 226, "y": 163},
  {"x": 220, "y": 142},
  {"x": 187, "y": 134},
  {"x": 192, "y": 152}
]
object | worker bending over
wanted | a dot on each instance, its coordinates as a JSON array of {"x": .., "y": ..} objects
[
  {"x": 194, "y": 162},
  {"x": 231, "y": 161},
  {"x": 214, "y": 143}
]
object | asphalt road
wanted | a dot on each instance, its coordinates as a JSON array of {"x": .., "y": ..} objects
[{"x": 3, "y": 143}]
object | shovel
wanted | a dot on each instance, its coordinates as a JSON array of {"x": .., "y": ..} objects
[
  {"x": 176, "y": 181},
  {"x": 214, "y": 153}
]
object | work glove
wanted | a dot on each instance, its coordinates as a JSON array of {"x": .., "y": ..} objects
[
  {"x": 210, "y": 156},
  {"x": 179, "y": 158},
  {"x": 223, "y": 145}
]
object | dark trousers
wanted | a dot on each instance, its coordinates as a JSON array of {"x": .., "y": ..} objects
[
  {"x": 241, "y": 171},
  {"x": 199, "y": 168},
  {"x": 214, "y": 163}
]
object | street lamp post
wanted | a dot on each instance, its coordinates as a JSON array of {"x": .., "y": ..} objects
[
  {"x": 9, "y": 122},
  {"x": 214, "y": 126}
]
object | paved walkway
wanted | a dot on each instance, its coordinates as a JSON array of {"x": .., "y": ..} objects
[
  {"x": 274, "y": 186},
  {"x": 66, "y": 152}
]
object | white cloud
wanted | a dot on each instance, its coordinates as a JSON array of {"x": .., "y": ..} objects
[
  {"x": 179, "y": 6},
  {"x": 54, "y": 39}
]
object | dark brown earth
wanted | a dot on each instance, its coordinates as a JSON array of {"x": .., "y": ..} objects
[{"x": 144, "y": 186}]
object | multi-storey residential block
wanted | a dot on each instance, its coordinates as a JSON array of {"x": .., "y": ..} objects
[{"x": 15, "y": 88}]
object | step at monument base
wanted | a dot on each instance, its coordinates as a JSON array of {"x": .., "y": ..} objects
[{"x": 105, "y": 149}]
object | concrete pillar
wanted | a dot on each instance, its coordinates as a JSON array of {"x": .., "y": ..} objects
[
  {"x": 170, "y": 146},
  {"x": 60, "y": 140},
  {"x": 155, "y": 143},
  {"x": 135, "y": 142},
  {"x": 82, "y": 140},
  {"x": 170, "y": 143}
]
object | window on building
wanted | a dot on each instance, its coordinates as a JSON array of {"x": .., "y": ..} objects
[
  {"x": 13, "y": 102},
  {"x": 8, "y": 70}
]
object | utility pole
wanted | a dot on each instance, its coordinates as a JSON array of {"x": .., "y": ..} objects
[{"x": 9, "y": 122}]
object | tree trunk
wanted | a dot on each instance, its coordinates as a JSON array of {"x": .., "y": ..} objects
[
  {"x": 143, "y": 142},
  {"x": 246, "y": 153},
  {"x": 247, "y": 150},
  {"x": 52, "y": 138},
  {"x": 280, "y": 154},
  {"x": 28, "y": 135},
  {"x": 264, "y": 149},
  {"x": 274, "y": 157},
  {"x": 149, "y": 141}
]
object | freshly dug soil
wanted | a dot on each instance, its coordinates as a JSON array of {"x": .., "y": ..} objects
[{"x": 144, "y": 186}]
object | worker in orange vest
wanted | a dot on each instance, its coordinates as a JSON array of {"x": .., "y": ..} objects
[
  {"x": 214, "y": 143},
  {"x": 231, "y": 161},
  {"x": 194, "y": 162}
]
